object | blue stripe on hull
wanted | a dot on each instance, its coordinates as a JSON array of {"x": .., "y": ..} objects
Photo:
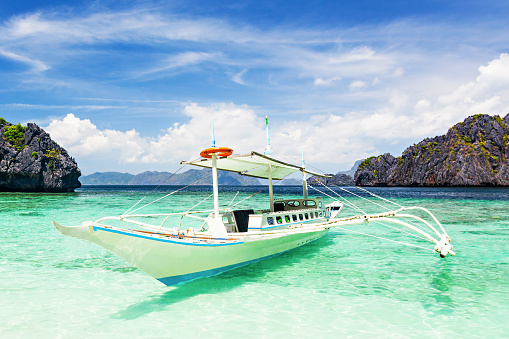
[
  {"x": 96, "y": 228},
  {"x": 177, "y": 279}
]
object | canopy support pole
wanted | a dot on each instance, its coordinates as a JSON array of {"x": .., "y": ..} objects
[
  {"x": 271, "y": 191},
  {"x": 304, "y": 185},
  {"x": 215, "y": 185}
]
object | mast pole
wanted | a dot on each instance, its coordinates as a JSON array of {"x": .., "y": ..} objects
[
  {"x": 304, "y": 183},
  {"x": 215, "y": 185},
  {"x": 271, "y": 192},
  {"x": 215, "y": 188},
  {"x": 268, "y": 150}
]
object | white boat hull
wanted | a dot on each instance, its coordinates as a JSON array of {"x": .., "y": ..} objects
[{"x": 173, "y": 261}]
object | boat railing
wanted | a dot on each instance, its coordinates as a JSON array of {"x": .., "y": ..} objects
[{"x": 131, "y": 218}]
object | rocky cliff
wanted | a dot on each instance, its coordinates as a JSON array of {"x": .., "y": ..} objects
[
  {"x": 344, "y": 178},
  {"x": 336, "y": 180},
  {"x": 31, "y": 162},
  {"x": 474, "y": 152}
]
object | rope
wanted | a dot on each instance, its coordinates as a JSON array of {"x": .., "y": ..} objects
[
  {"x": 252, "y": 195},
  {"x": 167, "y": 195},
  {"x": 351, "y": 204},
  {"x": 359, "y": 188},
  {"x": 189, "y": 210},
  {"x": 154, "y": 189},
  {"x": 363, "y": 198},
  {"x": 399, "y": 242},
  {"x": 377, "y": 196},
  {"x": 231, "y": 202},
  {"x": 344, "y": 199},
  {"x": 397, "y": 229}
]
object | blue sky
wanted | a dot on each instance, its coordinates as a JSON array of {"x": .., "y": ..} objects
[{"x": 136, "y": 86}]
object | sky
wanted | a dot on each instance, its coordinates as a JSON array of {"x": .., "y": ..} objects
[{"x": 136, "y": 86}]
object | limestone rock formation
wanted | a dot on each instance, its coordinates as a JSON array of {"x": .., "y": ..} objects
[
  {"x": 335, "y": 180},
  {"x": 474, "y": 152},
  {"x": 31, "y": 162}
]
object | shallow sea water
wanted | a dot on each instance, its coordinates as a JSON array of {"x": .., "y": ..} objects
[{"x": 343, "y": 285}]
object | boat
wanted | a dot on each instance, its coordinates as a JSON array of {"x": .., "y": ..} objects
[{"x": 231, "y": 237}]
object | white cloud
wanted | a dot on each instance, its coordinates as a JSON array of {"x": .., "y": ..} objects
[
  {"x": 37, "y": 66},
  {"x": 419, "y": 91},
  {"x": 179, "y": 61},
  {"x": 83, "y": 139},
  {"x": 57, "y": 38},
  {"x": 28, "y": 25},
  {"x": 488, "y": 94},
  {"x": 326, "y": 82},
  {"x": 398, "y": 72},
  {"x": 325, "y": 138},
  {"x": 357, "y": 84},
  {"x": 235, "y": 126},
  {"x": 238, "y": 77}
]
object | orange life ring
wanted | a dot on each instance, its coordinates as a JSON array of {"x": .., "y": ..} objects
[{"x": 220, "y": 152}]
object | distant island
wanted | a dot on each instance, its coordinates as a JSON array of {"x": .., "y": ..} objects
[
  {"x": 30, "y": 161},
  {"x": 190, "y": 177},
  {"x": 106, "y": 178},
  {"x": 474, "y": 152}
]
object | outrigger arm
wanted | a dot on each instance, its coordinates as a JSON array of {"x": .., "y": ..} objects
[{"x": 442, "y": 246}]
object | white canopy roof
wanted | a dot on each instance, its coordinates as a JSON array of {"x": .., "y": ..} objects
[{"x": 253, "y": 165}]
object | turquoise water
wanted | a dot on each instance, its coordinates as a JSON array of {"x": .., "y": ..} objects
[{"x": 345, "y": 284}]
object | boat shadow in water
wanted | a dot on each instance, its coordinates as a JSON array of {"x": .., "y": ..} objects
[{"x": 223, "y": 282}]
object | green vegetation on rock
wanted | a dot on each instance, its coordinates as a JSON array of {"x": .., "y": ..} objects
[
  {"x": 365, "y": 163},
  {"x": 3, "y": 121},
  {"x": 52, "y": 155},
  {"x": 15, "y": 136}
]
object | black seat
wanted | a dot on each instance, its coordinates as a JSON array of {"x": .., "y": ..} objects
[
  {"x": 241, "y": 218},
  {"x": 279, "y": 206}
]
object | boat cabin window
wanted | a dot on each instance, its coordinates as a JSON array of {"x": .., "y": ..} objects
[
  {"x": 319, "y": 204},
  {"x": 301, "y": 217},
  {"x": 316, "y": 214},
  {"x": 270, "y": 220},
  {"x": 293, "y": 203},
  {"x": 287, "y": 218},
  {"x": 309, "y": 203},
  {"x": 320, "y": 214},
  {"x": 294, "y": 217},
  {"x": 279, "y": 220},
  {"x": 306, "y": 216}
]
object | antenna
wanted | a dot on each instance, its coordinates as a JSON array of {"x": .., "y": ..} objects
[
  {"x": 213, "y": 140},
  {"x": 268, "y": 150}
]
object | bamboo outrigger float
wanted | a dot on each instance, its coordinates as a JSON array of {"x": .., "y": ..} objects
[{"x": 231, "y": 237}]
